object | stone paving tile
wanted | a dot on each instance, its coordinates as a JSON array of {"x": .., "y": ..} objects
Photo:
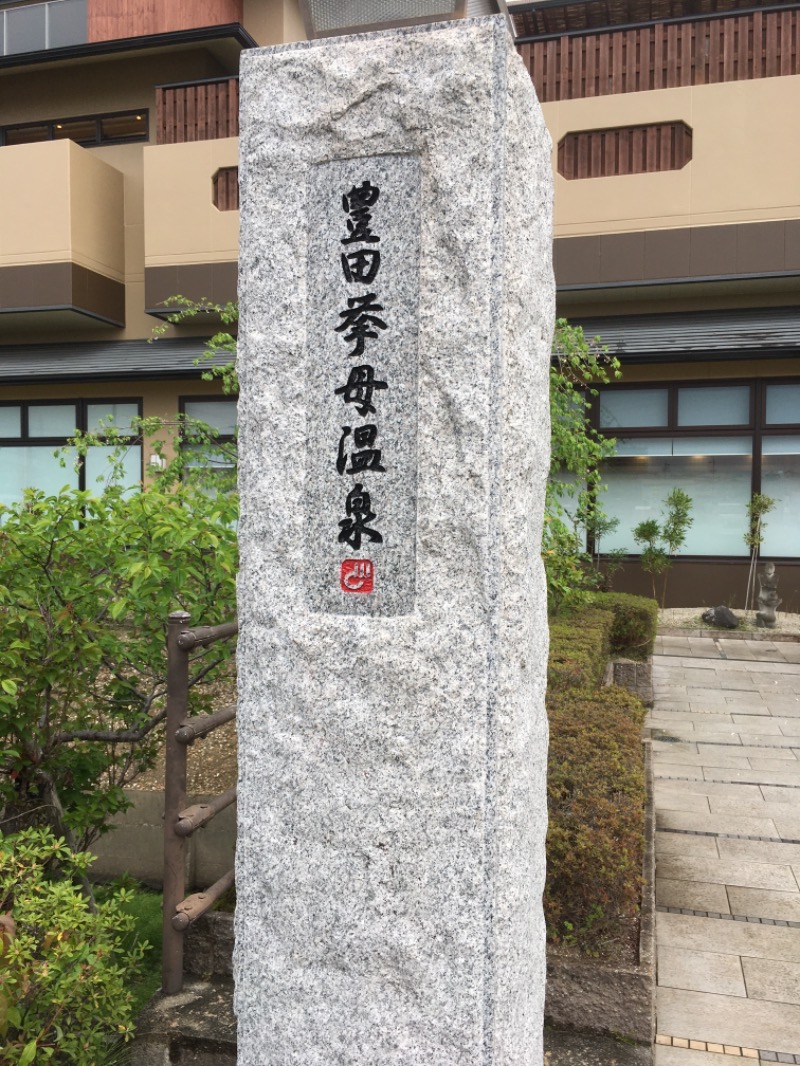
[
  {"x": 762, "y": 725},
  {"x": 726, "y": 759},
  {"x": 783, "y": 708},
  {"x": 694, "y": 895},
  {"x": 737, "y": 793},
  {"x": 728, "y": 1020},
  {"x": 671, "y": 706},
  {"x": 778, "y": 982},
  {"x": 760, "y": 851},
  {"x": 673, "y": 799},
  {"x": 774, "y": 761},
  {"x": 755, "y": 808},
  {"x": 741, "y": 825},
  {"x": 674, "y": 1056},
  {"x": 700, "y": 971},
  {"x": 763, "y": 743},
  {"x": 777, "y": 877},
  {"x": 706, "y": 695},
  {"x": 776, "y": 794},
  {"x": 778, "y": 906},
  {"x": 790, "y": 727},
  {"x": 765, "y": 777},
  {"x": 677, "y": 845}
]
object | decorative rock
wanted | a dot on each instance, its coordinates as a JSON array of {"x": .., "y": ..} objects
[
  {"x": 721, "y": 616},
  {"x": 392, "y": 732}
]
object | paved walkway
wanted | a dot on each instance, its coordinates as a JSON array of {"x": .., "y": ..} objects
[{"x": 726, "y": 746}]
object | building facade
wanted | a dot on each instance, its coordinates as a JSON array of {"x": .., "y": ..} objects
[
  {"x": 676, "y": 132},
  {"x": 676, "y": 152}
]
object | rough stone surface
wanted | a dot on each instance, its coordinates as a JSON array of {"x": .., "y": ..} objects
[
  {"x": 392, "y": 807},
  {"x": 721, "y": 616}
]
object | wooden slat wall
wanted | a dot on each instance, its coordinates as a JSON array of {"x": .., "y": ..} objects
[
  {"x": 666, "y": 55},
  {"x": 625, "y": 150},
  {"x": 200, "y": 112},
  {"x": 226, "y": 189},
  {"x": 109, "y": 20}
]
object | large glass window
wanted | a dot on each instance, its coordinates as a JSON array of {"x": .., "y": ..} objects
[
  {"x": 716, "y": 442},
  {"x": 86, "y": 130},
  {"x": 220, "y": 415},
  {"x": 716, "y": 474},
  {"x": 34, "y": 452},
  {"x": 780, "y": 479}
]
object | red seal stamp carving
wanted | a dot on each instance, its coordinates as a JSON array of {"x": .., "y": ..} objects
[{"x": 357, "y": 575}]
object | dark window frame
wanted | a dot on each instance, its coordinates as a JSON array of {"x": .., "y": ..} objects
[
  {"x": 757, "y": 429},
  {"x": 81, "y": 413},
  {"x": 99, "y": 140}
]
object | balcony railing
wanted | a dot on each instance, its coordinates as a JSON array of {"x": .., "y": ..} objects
[
  {"x": 37, "y": 27},
  {"x": 197, "y": 111}
]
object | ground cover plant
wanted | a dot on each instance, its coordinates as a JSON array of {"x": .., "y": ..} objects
[{"x": 595, "y": 783}]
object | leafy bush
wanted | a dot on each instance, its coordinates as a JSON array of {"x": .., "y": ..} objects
[
  {"x": 635, "y": 622},
  {"x": 64, "y": 969},
  {"x": 596, "y": 796},
  {"x": 86, "y": 585},
  {"x": 579, "y": 648}
]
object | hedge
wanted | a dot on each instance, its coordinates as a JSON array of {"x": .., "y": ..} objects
[{"x": 596, "y": 786}]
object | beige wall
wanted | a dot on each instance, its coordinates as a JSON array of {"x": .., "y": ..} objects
[
  {"x": 274, "y": 22},
  {"x": 67, "y": 207},
  {"x": 745, "y": 165},
  {"x": 182, "y": 225}
]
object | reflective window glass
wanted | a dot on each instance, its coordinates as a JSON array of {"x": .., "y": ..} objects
[
  {"x": 633, "y": 407},
  {"x": 725, "y": 405},
  {"x": 718, "y": 483},
  {"x": 34, "y": 467},
  {"x": 10, "y": 421},
  {"x": 102, "y": 466},
  {"x": 118, "y": 415},
  {"x": 123, "y": 127},
  {"x": 80, "y": 130},
  {"x": 52, "y": 420},
  {"x": 780, "y": 479},
  {"x": 783, "y": 404},
  {"x": 27, "y": 134},
  {"x": 219, "y": 414}
]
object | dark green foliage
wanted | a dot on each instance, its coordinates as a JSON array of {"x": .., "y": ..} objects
[
  {"x": 579, "y": 647},
  {"x": 596, "y": 788},
  {"x": 596, "y": 796},
  {"x": 635, "y": 623}
]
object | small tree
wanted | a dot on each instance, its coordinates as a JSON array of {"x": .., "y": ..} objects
[
  {"x": 758, "y": 506},
  {"x": 87, "y": 580},
  {"x": 660, "y": 541},
  {"x": 572, "y": 503}
]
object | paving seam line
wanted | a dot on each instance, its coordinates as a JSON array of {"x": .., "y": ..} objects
[
  {"x": 726, "y": 836},
  {"x": 780, "y": 922},
  {"x": 720, "y": 781}
]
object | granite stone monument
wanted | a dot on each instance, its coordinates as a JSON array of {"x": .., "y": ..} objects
[{"x": 396, "y": 320}]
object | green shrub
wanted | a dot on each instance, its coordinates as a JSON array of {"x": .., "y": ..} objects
[
  {"x": 596, "y": 796},
  {"x": 579, "y": 648},
  {"x": 65, "y": 969},
  {"x": 635, "y": 621}
]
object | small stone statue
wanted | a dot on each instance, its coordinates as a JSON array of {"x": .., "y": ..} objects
[{"x": 768, "y": 599}]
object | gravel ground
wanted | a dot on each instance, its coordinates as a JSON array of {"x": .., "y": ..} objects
[{"x": 691, "y": 618}]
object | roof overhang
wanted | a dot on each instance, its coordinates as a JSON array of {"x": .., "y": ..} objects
[{"x": 225, "y": 42}]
